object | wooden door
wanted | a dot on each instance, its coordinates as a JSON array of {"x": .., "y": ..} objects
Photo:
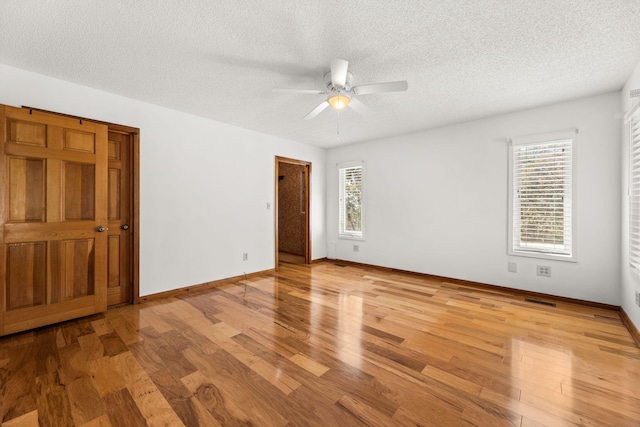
[
  {"x": 119, "y": 282},
  {"x": 53, "y": 254}
]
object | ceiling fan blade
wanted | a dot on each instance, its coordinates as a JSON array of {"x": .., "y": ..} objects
[
  {"x": 316, "y": 110},
  {"x": 339, "y": 72},
  {"x": 301, "y": 91},
  {"x": 381, "y": 87},
  {"x": 360, "y": 108}
]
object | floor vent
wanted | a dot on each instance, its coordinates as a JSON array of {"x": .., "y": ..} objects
[
  {"x": 340, "y": 265},
  {"x": 535, "y": 301}
]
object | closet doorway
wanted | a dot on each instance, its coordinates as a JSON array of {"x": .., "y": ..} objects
[{"x": 293, "y": 240}]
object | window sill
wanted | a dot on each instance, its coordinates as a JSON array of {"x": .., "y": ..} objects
[
  {"x": 348, "y": 237},
  {"x": 541, "y": 255}
]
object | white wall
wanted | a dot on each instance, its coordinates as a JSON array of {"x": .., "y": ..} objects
[
  {"x": 204, "y": 185},
  {"x": 630, "y": 285},
  {"x": 436, "y": 201}
]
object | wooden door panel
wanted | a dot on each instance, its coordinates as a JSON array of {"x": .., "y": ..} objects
[
  {"x": 34, "y": 232},
  {"x": 73, "y": 269},
  {"x": 47, "y": 314},
  {"x": 115, "y": 145},
  {"x": 26, "y": 182},
  {"x": 119, "y": 215},
  {"x": 54, "y": 179},
  {"x": 20, "y": 132},
  {"x": 79, "y": 141},
  {"x": 113, "y": 257},
  {"x": 79, "y": 197},
  {"x": 47, "y": 153},
  {"x": 26, "y": 274},
  {"x": 114, "y": 194}
]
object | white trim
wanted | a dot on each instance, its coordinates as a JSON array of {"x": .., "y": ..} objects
[
  {"x": 355, "y": 235},
  {"x": 533, "y": 140},
  {"x": 545, "y": 137},
  {"x": 632, "y": 112},
  {"x": 350, "y": 164},
  {"x": 633, "y": 193}
]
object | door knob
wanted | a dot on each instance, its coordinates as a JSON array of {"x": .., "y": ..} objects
[
  {"x": 100, "y": 229},
  {"x": 125, "y": 226}
]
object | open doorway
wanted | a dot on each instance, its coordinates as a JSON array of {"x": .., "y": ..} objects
[{"x": 293, "y": 240}]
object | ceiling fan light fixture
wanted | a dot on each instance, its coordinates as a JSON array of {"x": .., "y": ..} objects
[
  {"x": 338, "y": 101},
  {"x": 341, "y": 93}
]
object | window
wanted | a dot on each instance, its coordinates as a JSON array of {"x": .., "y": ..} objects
[
  {"x": 351, "y": 225},
  {"x": 634, "y": 189},
  {"x": 541, "y": 196}
]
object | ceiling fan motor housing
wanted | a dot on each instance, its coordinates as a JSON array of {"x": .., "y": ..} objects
[{"x": 347, "y": 84}]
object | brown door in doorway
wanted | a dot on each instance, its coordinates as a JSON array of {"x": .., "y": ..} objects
[
  {"x": 53, "y": 219},
  {"x": 119, "y": 280},
  {"x": 293, "y": 240}
]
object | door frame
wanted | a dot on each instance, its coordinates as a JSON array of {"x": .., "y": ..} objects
[
  {"x": 135, "y": 193},
  {"x": 307, "y": 204}
]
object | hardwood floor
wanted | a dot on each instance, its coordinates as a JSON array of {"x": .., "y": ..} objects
[
  {"x": 290, "y": 258},
  {"x": 329, "y": 346}
]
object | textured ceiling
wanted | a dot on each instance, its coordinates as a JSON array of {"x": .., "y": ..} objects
[{"x": 463, "y": 59}]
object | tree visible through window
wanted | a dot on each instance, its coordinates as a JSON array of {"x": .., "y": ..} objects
[
  {"x": 541, "y": 198},
  {"x": 351, "y": 198}
]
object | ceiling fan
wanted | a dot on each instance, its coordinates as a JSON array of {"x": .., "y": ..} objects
[{"x": 340, "y": 92}]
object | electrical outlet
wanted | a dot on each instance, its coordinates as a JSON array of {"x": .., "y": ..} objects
[
  {"x": 356, "y": 248},
  {"x": 268, "y": 205},
  {"x": 513, "y": 267},
  {"x": 544, "y": 270},
  {"x": 638, "y": 298},
  {"x": 245, "y": 256}
]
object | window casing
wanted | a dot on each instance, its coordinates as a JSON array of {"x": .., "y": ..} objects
[
  {"x": 351, "y": 200},
  {"x": 634, "y": 193},
  {"x": 542, "y": 196}
]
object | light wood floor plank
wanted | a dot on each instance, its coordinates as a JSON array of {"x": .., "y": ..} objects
[{"x": 327, "y": 345}]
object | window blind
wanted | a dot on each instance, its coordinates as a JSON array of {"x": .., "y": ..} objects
[
  {"x": 634, "y": 202},
  {"x": 350, "y": 215},
  {"x": 542, "y": 198}
]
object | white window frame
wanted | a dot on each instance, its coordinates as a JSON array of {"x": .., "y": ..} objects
[
  {"x": 633, "y": 119},
  {"x": 342, "y": 233},
  {"x": 513, "y": 217}
]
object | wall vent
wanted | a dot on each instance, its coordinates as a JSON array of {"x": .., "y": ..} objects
[{"x": 535, "y": 301}]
